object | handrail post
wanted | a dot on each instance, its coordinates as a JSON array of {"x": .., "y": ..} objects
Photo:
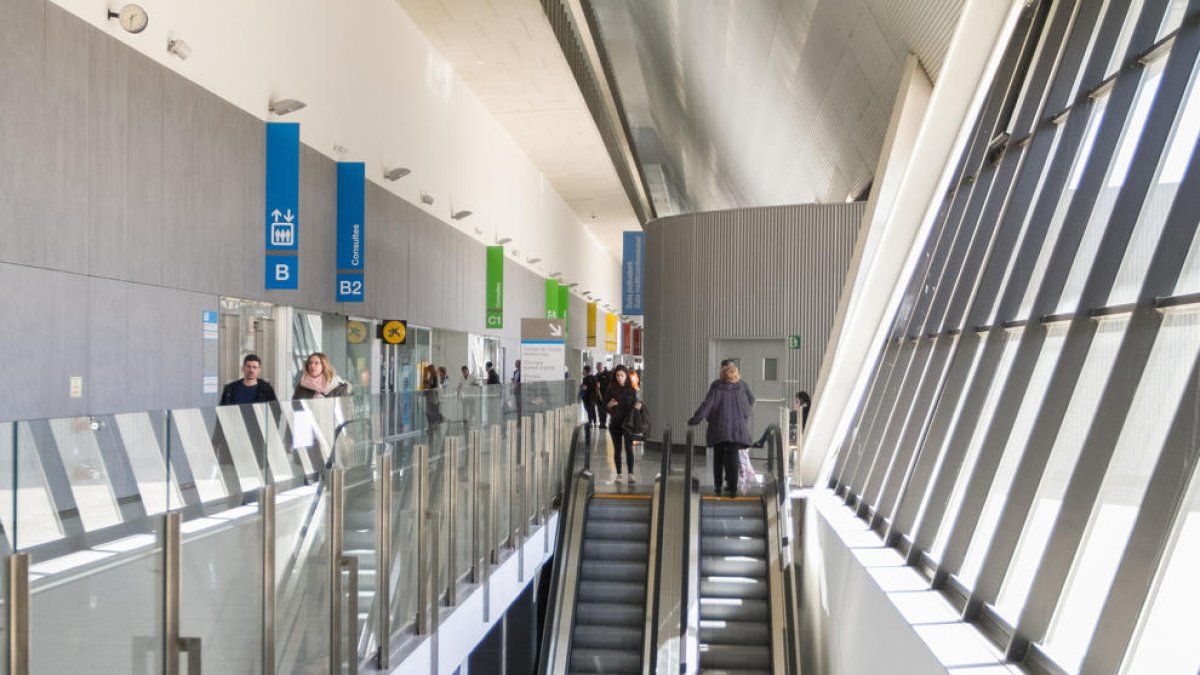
[
  {"x": 474, "y": 450},
  {"x": 383, "y": 556},
  {"x": 422, "y": 539},
  {"x": 266, "y": 510},
  {"x": 451, "y": 454},
  {"x": 526, "y": 425},
  {"x": 18, "y": 613},
  {"x": 494, "y": 496},
  {"x": 337, "y": 494},
  {"x": 171, "y": 571}
]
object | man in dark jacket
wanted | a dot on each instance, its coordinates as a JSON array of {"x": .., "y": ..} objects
[
  {"x": 493, "y": 377},
  {"x": 249, "y": 389},
  {"x": 601, "y": 393},
  {"x": 727, "y": 411}
]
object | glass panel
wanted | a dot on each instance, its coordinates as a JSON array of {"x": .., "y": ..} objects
[
  {"x": 405, "y": 483},
  {"x": 302, "y": 579},
  {"x": 75, "y": 439},
  {"x": 146, "y": 458},
  {"x": 1114, "y": 179},
  {"x": 770, "y": 370},
  {"x": 193, "y": 434},
  {"x": 1014, "y": 448},
  {"x": 1173, "y": 20},
  {"x": 29, "y": 515},
  {"x": 1138, "y": 447},
  {"x": 1011, "y": 340},
  {"x": 1165, "y": 641},
  {"x": 1122, "y": 45},
  {"x": 1067, "y": 447},
  {"x": 1060, "y": 212},
  {"x": 1159, "y": 199}
]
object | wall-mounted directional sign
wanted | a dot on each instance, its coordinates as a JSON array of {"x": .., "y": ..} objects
[{"x": 393, "y": 332}]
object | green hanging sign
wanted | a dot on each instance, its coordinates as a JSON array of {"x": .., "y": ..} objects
[
  {"x": 494, "y": 302},
  {"x": 552, "y": 299},
  {"x": 564, "y": 301}
]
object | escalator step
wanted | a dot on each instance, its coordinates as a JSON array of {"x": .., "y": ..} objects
[
  {"x": 630, "y": 551},
  {"x": 733, "y": 587},
  {"x": 606, "y": 661},
  {"x": 619, "y": 530},
  {"x": 608, "y": 637},
  {"x": 734, "y": 656},
  {"x": 749, "y": 547},
  {"x": 727, "y": 671},
  {"x": 612, "y": 591},
  {"x": 733, "y": 527},
  {"x": 733, "y": 609},
  {"x": 735, "y": 632},
  {"x": 609, "y": 614},
  {"x": 728, "y": 508},
  {"x": 734, "y": 566},
  {"x": 620, "y": 509},
  {"x": 613, "y": 570}
]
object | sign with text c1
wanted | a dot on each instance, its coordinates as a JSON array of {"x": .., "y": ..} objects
[
  {"x": 351, "y": 236},
  {"x": 494, "y": 294}
]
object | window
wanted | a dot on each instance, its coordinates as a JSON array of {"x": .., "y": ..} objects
[{"x": 770, "y": 370}]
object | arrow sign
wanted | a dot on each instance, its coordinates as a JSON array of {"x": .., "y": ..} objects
[{"x": 556, "y": 330}]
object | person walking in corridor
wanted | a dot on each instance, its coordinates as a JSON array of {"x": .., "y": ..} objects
[
  {"x": 320, "y": 380},
  {"x": 619, "y": 401},
  {"x": 727, "y": 410}
]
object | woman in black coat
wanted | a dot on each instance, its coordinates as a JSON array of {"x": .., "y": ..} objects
[
  {"x": 727, "y": 411},
  {"x": 619, "y": 399}
]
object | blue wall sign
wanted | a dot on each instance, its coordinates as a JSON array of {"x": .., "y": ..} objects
[
  {"x": 633, "y": 272},
  {"x": 351, "y": 237},
  {"x": 283, "y": 205}
]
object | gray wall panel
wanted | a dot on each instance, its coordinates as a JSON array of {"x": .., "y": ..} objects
[
  {"x": 132, "y": 198},
  {"x": 749, "y": 273}
]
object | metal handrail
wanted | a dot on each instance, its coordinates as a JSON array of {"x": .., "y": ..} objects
[
  {"x": 559, "y": 570},
  {"x": 777, "y": 464},
  {"x": 692, "y": 486},
  {"x": 652, "y": 637}
]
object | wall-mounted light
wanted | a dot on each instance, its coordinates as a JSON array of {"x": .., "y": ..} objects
[
  {"x": 178, "y": 48},
  {"x": 459, "y": 215},
  {"x": 533, "y": 261},
  {"x": 556, "y": 275},
  {"x": 426, "y": 199},
  {"x": 396, "y": 173},
  {"x": 286, "y": 106},
  {"x": 515, "y": 253},
  {"x": 573, "y": 284},
  {"x": 503, "y": 240}
]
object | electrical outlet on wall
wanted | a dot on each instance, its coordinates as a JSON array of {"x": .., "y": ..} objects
[{"x": 76, "y": 386}]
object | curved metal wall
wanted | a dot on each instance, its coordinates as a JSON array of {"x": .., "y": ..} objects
[{"x": 746, "y": 273}]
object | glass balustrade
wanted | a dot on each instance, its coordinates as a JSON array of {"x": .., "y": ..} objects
[{"x": 277, "y": 537}]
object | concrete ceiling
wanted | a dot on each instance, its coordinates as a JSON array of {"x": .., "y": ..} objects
[
  {"x": 505, "y": 52},
  {"x": 738, "y": 103}
]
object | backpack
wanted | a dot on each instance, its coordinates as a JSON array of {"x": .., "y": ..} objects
[{"x": 637, "y": 423}]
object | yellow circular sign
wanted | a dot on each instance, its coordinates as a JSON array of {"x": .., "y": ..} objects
[
  {"x": 394, "y": 332},
  {"x": 356, "y": 332}
]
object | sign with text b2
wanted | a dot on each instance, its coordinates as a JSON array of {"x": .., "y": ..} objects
[
  {"x": 633, "y": 273},
  {"x": 282, "y": 232},
  {"x": 351, "y": 235}
]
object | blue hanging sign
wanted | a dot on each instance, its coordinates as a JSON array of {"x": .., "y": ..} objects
[
  {"x": 633, "y": 273},
  {"x": 283, "y": 205},
  {"x": 351, "y": 238}
]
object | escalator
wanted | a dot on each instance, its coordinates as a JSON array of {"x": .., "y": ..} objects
[
  {"x": 610, "y": 610},
  {"x": 735, "y": 594}
]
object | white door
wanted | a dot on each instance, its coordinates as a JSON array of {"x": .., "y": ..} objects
[{"x": 762, "y": 363}]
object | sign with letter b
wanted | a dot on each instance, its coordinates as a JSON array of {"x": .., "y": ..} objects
[{"x": 281, "y": 272}]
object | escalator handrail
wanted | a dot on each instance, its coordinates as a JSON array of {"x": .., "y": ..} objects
[
  {"x": 778, "y": 462},
  {"x": 558, "y": 571},
  {"x": 655, "y": 580},
  {"x": 692, "y": 487}
]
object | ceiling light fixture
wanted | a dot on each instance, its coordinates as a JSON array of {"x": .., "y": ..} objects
[
  {"x": 533, "y": 261},
  {"x": 178, "y": 48},
  {"x": 426, "y": 198},
  {"x": 286, "y": 106},
  {"x": 573, "y": 284},
  {"x": 503, "y": 240},
  {"x": 396, "y": 173},
  {"x": 459, "y": 215}
]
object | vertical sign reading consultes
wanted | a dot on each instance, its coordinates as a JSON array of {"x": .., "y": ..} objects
[
  {"x": 351, "y": 238},
  {"x": 632, "y": 272},
  {"x": 283, "y": 205},
  {"x": 494, "y": 303}
]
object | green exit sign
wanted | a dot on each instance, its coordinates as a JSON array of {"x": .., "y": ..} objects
[{"x": 793, "y": 342}]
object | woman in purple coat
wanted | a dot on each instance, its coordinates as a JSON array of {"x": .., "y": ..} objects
[{"x": 727, "y": 411}]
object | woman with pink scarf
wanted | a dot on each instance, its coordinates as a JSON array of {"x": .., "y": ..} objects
[{"x": 320, "y": 380}]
